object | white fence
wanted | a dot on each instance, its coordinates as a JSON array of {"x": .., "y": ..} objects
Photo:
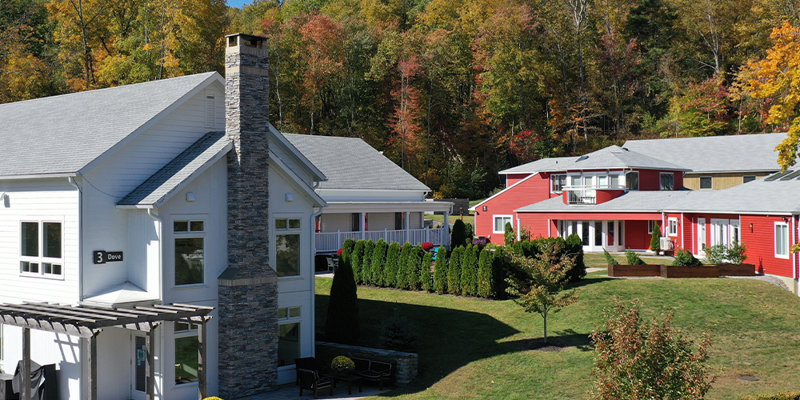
[{"x": 332, "y": 241}]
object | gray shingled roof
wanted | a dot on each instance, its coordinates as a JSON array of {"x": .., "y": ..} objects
[
  {"x": 538, "y": 165},
  {"x": 351, "y": 163},
  {"x": 633, "y": 201},
  {"x": 167, "y": 181},
  {"x": 760, "y": 196},
  {"x": 741, "y": 153},
  {"x": 63, "y": 134},
  {"x": 611, "y": 157}
]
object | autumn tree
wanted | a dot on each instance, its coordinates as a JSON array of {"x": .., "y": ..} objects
[{"x": 323, "y": 54}]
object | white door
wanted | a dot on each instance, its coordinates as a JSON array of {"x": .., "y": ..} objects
[
  {"x": 701, "y": 236},
  {"x": 719, "y": 232},
  {"x": 139, "y": 370},
  {"x": 735, "y": 232}
]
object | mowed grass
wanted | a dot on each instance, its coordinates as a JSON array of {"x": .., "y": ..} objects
[
  {"x": 486, "y": 349},
  {"x": 468, "y": 219},
  {"x": 598, "y": 260}
]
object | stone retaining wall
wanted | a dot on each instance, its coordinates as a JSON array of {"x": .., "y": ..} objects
[{"x": 404, "y": 364}]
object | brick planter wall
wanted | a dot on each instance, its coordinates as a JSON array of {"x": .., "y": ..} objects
[
  {"x": 737, "y": 270},
  {"x": 634, "y": 270},
  {"x": 404, "y": 364},
  {"x": 673, "y": 271}
]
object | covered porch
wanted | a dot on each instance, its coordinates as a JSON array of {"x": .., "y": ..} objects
[{"x": 88, "y": 322}]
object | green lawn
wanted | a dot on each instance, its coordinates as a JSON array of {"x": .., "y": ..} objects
[
  {"x": 598, "y": 260},
  {"x": 473, "y": 348},
  {"x": 468, "y": 219}
]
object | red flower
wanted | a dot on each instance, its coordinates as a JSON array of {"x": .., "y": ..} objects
[
  {"x": 427, "y": 246},
  {"x": 339, "y": 252}
]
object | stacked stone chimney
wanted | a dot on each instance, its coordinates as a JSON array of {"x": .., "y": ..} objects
[{"x": 248, "y": 295}]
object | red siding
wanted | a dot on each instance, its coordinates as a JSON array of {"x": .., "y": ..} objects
[
  {"x": 532, "y": 190},
  {"x": 537, "y": 224},
  {"x": 760, "y": 244},
  {"x": 514, "y": 178},
  {"x": 636, "y": 236},
  {"x": 651, "y": 179}
]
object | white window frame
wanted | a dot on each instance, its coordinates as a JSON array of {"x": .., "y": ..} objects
[
  {"x": 785, "y": 226},
  {"x": 192, "y": 332},
  {"x": 494, "y": 222},
  {"x": 670, "y": 231},
  {"x": 700, "y": 183},
  {"x": 292, "y": 320},
  {"x": 287, "y": 231},
  {"x": 553, "y": 179},
  {"x": 190, "y": 234},
  {"x": 662, "y": 174},
  {"x": 40, "y": 258}
]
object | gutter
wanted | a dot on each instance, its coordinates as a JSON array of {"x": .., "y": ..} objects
[{"x": 74, "y": 183}]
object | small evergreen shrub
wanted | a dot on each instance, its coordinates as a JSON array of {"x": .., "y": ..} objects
[
  {"x": 356, "y": 258},
  {"x": 347, "y": 249},
  {"x": 440, "y": 271},
  {"x": 469, "y": 233},
  {"x": 454, "y": 271},
  {"x": 486, "y": 274},
  {"x": 609, "y": 259},
  {"x": 686, "y": 259},
  {"x": 458, "y": 237},
  {"x": 633, "y": 258},
  {"x": 655, "y": 240},
  {"x": 500, "y": 267},
  {"x": 401, "y": 274},
  {"x": 425, "y": 276},
  {"x": 342, "y": 364},
  {"x": 378, "y": 261},
  {"x": 391, "y": 266},
  {"x": 415, "y": 268},
  {"x": 735, "y": 253},
  {"x": 397, "y": 333},
  {"x": 509, "y": 234},
  {"x": 366, "y": 262},
  {"x": 468, "y": 271}
]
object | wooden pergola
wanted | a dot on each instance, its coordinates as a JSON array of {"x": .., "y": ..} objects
[{"x": 88, "y": 321}]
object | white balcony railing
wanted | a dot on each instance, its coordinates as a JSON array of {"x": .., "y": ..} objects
[
  {"x": 327, "y": 242},
  {"x": 587, "y": 194}
]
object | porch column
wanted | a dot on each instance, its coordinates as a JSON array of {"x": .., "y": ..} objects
[
  {"x": 444, "y": 233},
  {"x": 25, "y": 393},
  {"x": 363, "y": 226},
  {"x": 150, "y": 345},
  {"x": 407, "y": 223},
  {"x": 92, "y": 384},
  {"x": 202, "y": 382}
]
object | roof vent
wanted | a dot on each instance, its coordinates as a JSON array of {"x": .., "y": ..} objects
[{"x": 581, "y": 158}]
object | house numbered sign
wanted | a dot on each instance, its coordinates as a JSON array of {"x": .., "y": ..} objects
[{"x": 102, "y": 257}]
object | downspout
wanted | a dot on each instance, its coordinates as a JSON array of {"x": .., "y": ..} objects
[
  {"x": 74, "y": 183},
  {"x": 313, "y": 226}
]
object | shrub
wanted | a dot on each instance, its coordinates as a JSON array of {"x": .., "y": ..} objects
[
  {"x": 347, "y": 249},
  {"x": 427, "y": 246},
  {"x": 480, "y": 242},
  {"x": 655, "y": 240},
  {"x": 509, "y": 234},
  {"x": 414, "y": 279},
  {"x": 469, "y": 233},
  {"x": 356, "y": 259},
  {"x": 342, "y": 364},
  {"x": 454, "y": 271},
  {"x": 735, "y": 254},
  {"x": 633, "y": 357},
  {"x": 341, "y": 324},
  {"x": 366, "y": 262},
  {"x": 529, "y": 248},
  {"x": 573, "y": 247},
  {"x": 721, "y": 254},
  {"x": 392, "y": 265},
  {"x": 773, "y": 396},
  {"x": 440, "y": 271},
  {"x": 397, "y": 333},
  {"x": 609, "y": 259},
  {"x": 378, "y": 261},
  {"x": 401, "y": 274},
  {"x": 458, "y": 237},
  {"x": 633, "y": 258},
  {"x": 425, "y": 276},
  {"x": 469, "y": 271},
  {"x": 686, "y": 259},
  {"x": 486, "y": 275},
  {"x": 500, "y": 260}
]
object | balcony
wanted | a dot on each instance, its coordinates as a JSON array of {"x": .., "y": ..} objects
[{"x": 590, "y": 195}]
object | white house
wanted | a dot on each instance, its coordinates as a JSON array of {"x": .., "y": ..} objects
[
  {"x": 146, "y": 203},
  {"x": 368, "y": 195}
]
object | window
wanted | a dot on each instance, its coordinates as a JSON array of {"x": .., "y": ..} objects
[
  {"x": 210, "y": 112},
  {"x": 557, "y": 183},
  {"x": 500, "y": 222},
  {"x": 613, "y": 181},
  {"x": 602, "y": 181},
  {"x": 705, "y": 182},
  {"x": 398, "y": 221},
  {"x": 287, "y": 246},
  {"x": 189, "y": 251},
  {"x": 355, "y": 225},
  {"x": 781, "y": 240},
  {"x": 288, "y": 335},
  {"x": 667, "y": 181},
  {"x": 185, "y": 353},
  {"x": 41, "y": 248},
  {"x": 652, "y": 226},
  {"x": 748, "y": 178},
  {"x": 632, "y": 180},
  {"x": 673, "y": 227}
]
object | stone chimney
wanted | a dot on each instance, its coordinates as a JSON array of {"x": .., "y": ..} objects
[{"x": 248, "y": 289}]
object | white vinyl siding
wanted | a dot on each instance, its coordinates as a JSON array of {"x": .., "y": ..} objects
[
  {"x": 500, "y": 222},
  {"x": 781, "y": 240}
]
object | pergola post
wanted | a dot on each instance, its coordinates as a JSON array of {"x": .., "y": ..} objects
[
  {"x": 26, "y": 364},
  {"x": 92, "y": 355},
  {"x": 202, "y": 381},
  {"x": 444, "y": 233},
  {"x": 150, "y": 345}
]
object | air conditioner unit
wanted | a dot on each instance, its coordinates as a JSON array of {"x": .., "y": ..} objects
[{"x": 666, "y": 244}]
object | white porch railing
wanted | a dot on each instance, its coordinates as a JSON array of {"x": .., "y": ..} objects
[{"x": 327, "y": 242}]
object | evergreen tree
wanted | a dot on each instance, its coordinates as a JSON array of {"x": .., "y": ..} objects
[
  {"x": 341, "y": 324},
  {"x": 401, "y": 272},
  {"x": 454, "y": 271},
  {"x": 414, "y": 267},
  {"x": 378, "y": 262},
  {"x": 425, "y": 276},
  {"x": 440, "y": 271},
  {"x": 509, "y": 234},
  {"x": 486, "y": 275},
  {"x": 347, "y": 249},
  {"x": 458, "y": 237},
  {"x": 366, "y": 262},
  {"x": 356, "y": 259},
  {"x": 469, "y": 271},
  {"x": 655, "y": 240},
  {"x": 393, "y": 256}
]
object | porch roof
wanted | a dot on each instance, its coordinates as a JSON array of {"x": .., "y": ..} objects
[
  {"x": 85, "y": 321},
  {"x": 633, "y": 202}
]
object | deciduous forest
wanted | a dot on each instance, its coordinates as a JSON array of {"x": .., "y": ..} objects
[{"x": 451, "y": 90}]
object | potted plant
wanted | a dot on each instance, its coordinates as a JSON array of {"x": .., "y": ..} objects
[{"x": 342, "y": 365}]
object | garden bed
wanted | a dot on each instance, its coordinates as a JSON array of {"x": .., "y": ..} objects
[
  {"x": 737, "y": 269},
  {"x": 634, "y": 270},
  {"x": 673, "y": 271}
]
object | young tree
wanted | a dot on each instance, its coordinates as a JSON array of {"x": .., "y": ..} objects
[
  {"x": 538, "y": 282},
  {"x": 347, "y": 249},
  {"x": 394, "y": 258},
  {"x": 413, "y": 279},
  {"x": 341, "y": 324},
  {"x": 401, "y": 271},
  {"x": 440, "y": 273},
  {"x": 425, "y": 276},
  {"x": 454, "y": 271},
  {"x": 509, "y": 234},
  {"x": 469, "y": 271},
  {"x": 366, "y": 262},
  {"x": 655, "y": 240},
  {"x": 378, "y": 262},
  {"x": 636, "y": 359}
]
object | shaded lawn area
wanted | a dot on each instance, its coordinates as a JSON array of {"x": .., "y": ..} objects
[{"x": 474, "y": 348}]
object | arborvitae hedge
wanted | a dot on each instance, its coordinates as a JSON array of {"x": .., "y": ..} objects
[
  {"x": 500, "y": 260},
  {"x": 655, "y": 240},
  {"x": 366, "y": 262},
  {"x": 425, "y": 276},
  {"x": 469, "y": 271},
  {"x": 347, "y": 249},
  {"x": 454, "y": 271},
  {"x": 378, "y": 261},
  {"x": 401, "y": 273},
  {"x": 414, "y": 268},
  {"x": 389, "y": 276},
  {"x": 356, "y": 258},
  {"x": 341, "y": 324},
  {"x": 458, "y": 237},
  {"x": 509, "y": 235},
  {"x": 486, "y": 275},
  {"x": 440, "y": 271}
]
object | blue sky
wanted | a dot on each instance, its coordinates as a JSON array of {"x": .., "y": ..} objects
[{"x": 238, "y": 3}]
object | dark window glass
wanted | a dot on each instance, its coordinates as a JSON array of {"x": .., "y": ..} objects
[
  {"x": 52, "y": 239},
  {"x": 598, "y": 233},
  {"x": 585, "y": 233},
  {"x": 141, "y": 364},
  {"x": 398, "y": 220},
  {"x": 197, "y": 226},
  {"x": 667, "y": 181},
  {"x": 180, "y": 226},
  {"x": 287, "y": 254},
  {"x": 186, "y": 359},
  {"x": 748, "y": 178},
  {"x": 30, "y": 239},
  {"x": 280, "y": 224},
  {"x": 632, "y": 181},
  {"x": 188, "y": 261},
  {"x": 294, "y": 223},
  {"x": 356, "y": 222},
  {"x": 288, "y": 343},
  {"x": 705, "y": 182}
]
